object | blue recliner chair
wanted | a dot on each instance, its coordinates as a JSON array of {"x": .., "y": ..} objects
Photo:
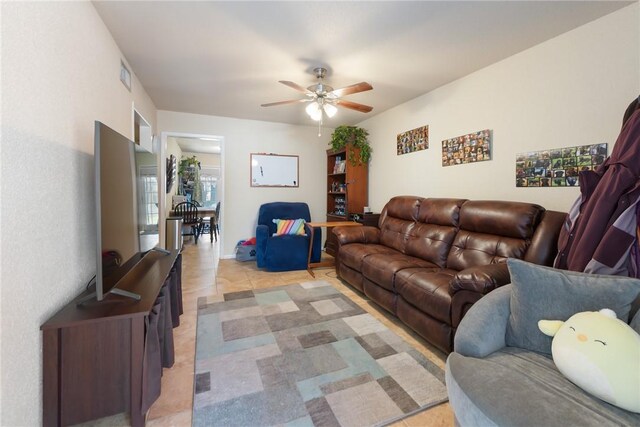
[{"x": 285, "y": 252}]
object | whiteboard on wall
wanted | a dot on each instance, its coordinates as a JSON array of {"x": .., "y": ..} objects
[{"x": 274, "y": 170}]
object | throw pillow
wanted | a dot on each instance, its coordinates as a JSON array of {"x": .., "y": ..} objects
[
  {"x": 547, "y": 293},
  {"x": 289, "y": 226}
]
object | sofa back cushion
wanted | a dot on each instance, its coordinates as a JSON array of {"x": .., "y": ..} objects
[
  {"x": 282, "y": 210},
  {"x": 492, "y": 231},
  {"x": 397, "y": 220},
  {"x": 433, "y": 233}
]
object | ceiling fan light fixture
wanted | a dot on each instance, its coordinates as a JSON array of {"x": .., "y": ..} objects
[
  {"x": 317, "y": 116},
  {"x": 323, "y": 99},
  {"x": 330, "y": 110},
  {"x": 314, "y": 111}
]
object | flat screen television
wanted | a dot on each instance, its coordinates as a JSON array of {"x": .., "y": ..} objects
[{"x": 126, "y": 182}]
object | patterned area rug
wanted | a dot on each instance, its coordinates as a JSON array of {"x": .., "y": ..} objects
[{"x": 302, "y": 355}]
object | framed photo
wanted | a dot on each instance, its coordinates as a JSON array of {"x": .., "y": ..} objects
[
  {"x": 413, "y": 140},
  {"x": 470, "y": 148},
  {"x": 558, "y": 167}
]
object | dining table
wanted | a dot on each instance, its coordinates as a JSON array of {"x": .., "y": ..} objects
[{"x": 204, "y": 213}]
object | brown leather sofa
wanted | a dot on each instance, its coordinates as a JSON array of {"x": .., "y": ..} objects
[{"x": 429, "y": 260}]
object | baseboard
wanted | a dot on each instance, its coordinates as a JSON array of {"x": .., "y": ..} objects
[{"x": 228, "y": 256}]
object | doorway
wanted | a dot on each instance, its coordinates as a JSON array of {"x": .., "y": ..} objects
[{"x": 205, "y": 181}]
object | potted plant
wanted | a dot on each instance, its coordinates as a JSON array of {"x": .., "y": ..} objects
[
  {"x": 187, "y": 162},
  {"x": 355, "y": 138}
]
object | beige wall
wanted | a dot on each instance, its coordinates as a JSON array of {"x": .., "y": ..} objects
[
  {"x": 206, "y": 159},
  {"x": 242, "y": 137},
  {"x": 60, "y": 72},
  {"x": 145, "y": 159},
  {"x": 571, "y": 90}
]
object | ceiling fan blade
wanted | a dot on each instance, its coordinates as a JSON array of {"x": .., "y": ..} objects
[
  {"x": 353, "y": 105},
  {"x": 348, "y": 90},
  {"x": 292, "y": 101},
  {"x": 295, "y": 86}
]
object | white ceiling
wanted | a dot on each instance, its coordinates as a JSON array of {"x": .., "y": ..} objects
[
  {"x": 225, "y": 58},
  {"x": 197, "y": 145}
]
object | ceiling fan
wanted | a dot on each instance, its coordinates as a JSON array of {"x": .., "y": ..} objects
[{"x": 323, "y": 98}]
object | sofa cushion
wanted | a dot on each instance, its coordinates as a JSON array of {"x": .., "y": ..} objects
[
  {"x": 546, "y": 293},
  {"x": 403, "y": 207},
  {"x": 382, "y": 268},
  {"x": 440, "y": 211},
  {"x": 394, "y": 233},
  {"x": 427, "y": 289},
  {"x": 502, "y": 218},
  {"x": 352, "y": 254},
  {"x": 472, "y": 249},
  {"x": 430, "y": 242},
  {"x": 397, "y": 220},
  {"x": 518, "y": 387}
]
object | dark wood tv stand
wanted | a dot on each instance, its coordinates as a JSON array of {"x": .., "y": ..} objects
[{"x": 93, "y": 353}]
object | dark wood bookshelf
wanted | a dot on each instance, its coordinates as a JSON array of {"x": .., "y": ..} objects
[{"x": 347, "y": 191}]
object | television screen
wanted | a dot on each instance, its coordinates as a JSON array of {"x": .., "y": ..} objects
[{"x": 126, "y": 205}]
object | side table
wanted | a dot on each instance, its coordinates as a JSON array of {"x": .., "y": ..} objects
[
  {"x": 369, "y": 219},
  {"x": 331, "y": 262}
]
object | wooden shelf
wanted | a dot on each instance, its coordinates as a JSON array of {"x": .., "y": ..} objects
[
  {"x": 354, "y": 181},
  {"x": 334, "y": 217}
]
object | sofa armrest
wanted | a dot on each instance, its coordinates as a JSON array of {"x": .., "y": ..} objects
[
  {"x": 471, "y": 284},
  {"x": 364, "y": 234},
  {"x": 483, "y": 329},
  {"x": 262, "y": 235},
  {"x": 544, "y": 242},
  {"x": 482, "y": 279}
]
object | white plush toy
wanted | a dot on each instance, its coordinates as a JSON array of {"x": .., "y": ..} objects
[{"x": 600, "y": 354}]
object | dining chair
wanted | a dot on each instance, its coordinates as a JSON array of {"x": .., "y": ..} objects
[
  {"x": 189, "y": 213},
  {"x": 206, "y": 221},
  {"x": 214, "y": 223}
]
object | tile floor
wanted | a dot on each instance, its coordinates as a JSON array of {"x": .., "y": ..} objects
[{"x": 203, "y": 274}]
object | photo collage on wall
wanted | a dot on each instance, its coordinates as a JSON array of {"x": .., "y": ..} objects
[
  {"x": 413, "y": 140},
  {"x": 558, "y": 167},
  {"x": 470, "y": 148}
]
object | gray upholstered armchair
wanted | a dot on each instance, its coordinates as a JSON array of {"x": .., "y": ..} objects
[{"x": 491, "y": 382}]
